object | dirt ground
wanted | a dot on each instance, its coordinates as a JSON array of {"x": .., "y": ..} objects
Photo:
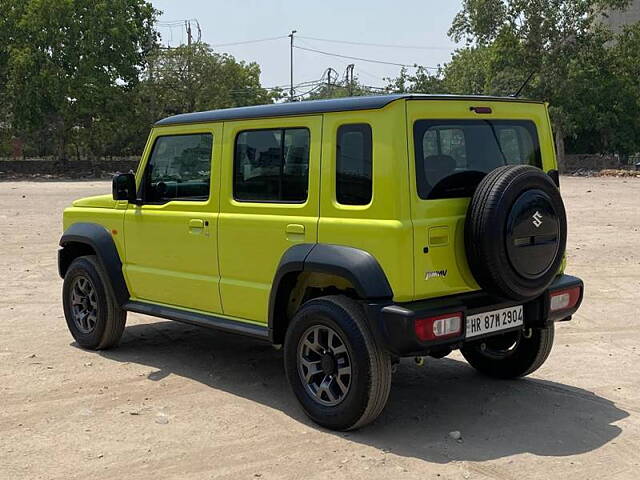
[{"x": 178, "y": 402}]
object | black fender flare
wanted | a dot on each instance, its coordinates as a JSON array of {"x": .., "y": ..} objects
[
  {"x": 98, "y": 238},
  {"x": 357, "y": 266}
]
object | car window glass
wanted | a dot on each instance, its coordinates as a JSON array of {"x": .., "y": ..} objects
[
  {"x": 179, "y": 168},
  {"x": 353, "y": 165},
  {"x": 452, "y": 156},
  {"x": 272, "y": 165}
]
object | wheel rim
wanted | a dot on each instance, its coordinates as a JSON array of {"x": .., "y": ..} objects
[
  {"x": 324, "y": 365},
  {"x": 501, "y": 346},
  {"x": 84, "y": 304}
]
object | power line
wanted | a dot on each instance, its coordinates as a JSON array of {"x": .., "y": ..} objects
[
  {"x": 308, "y": 83},
  {"x": 371, "y": 75},
  {"x": 330, "y": 54},
  {"x": 309, "y": 92},
  {"x": 184, "y": 26},
  {"x": 384, "y": 45},
  {"x": 175, "y": 23},
  {"x": 258, "y": 40}
]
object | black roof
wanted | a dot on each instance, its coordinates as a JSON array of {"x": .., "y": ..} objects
[{"x": 315, "y": 106}]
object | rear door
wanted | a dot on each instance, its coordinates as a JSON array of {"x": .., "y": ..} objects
[
  {"x": 269, "y": 202},
  {"x": 451, "y": 148}
]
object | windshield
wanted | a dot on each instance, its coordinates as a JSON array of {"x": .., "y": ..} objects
[{"x": 452, "y": 156}]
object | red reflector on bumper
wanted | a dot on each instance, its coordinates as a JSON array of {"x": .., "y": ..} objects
[
  {"x": 564, "y": 299},
  {"x": 442, "y": 326}
]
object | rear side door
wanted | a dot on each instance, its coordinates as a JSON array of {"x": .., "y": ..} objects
[
  {"x": 269, "y": 202},
  {"x": 452, "y": 145},
  {"x": 171, "y": 237}
]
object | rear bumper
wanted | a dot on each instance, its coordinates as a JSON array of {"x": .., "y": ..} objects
[{"x": 394, "y": 323}]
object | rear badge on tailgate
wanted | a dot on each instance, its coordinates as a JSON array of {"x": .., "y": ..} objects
[{"x": 435, "y": 274}]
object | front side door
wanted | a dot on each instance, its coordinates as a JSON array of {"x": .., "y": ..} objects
[
  {"x": 269, "y": 202},
  {"x": 170, "y": 238}
]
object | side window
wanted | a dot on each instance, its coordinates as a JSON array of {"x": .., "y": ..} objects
[
  {"x": 272, "y": 165},
  {"x": 354, "y": 165},
  {"x": 179, "y": 169}
]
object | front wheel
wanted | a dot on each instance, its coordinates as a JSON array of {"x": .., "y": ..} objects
[
  {"x": 334, "y": 366},
  {"x": 93, "y": 315},
  {"x": 511, "y": 355}
]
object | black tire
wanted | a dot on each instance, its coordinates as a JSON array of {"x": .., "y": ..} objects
[
  {"x": 370, "y": 378},
  {"x": 491, "y": 357},
  {"x": 510, "y": 253},
  {"x": 108, "y": 319}
]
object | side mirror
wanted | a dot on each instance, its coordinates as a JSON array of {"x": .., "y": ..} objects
[{"x": 124, "y": 187}]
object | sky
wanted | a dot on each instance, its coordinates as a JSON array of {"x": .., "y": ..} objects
[{"x": 401, "y": 24}]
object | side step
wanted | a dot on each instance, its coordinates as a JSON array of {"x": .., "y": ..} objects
[{"x": 199, "y": 319}]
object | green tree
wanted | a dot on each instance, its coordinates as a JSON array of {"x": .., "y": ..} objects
[
  {"x": 194, "y": 77},
  {"x": 186, "y": 79},
  {"x": 420, "y": 81},
  {"x": 561, "y": 42},
  {"x": 626, "y": 70},
  {"x": 9, "y": 15},
  {"x": 338, "y": 89},
  {"x": 70, "y": 65},
  {"x": 468, "y": 71},
  {"x": 577, "y": 65}
]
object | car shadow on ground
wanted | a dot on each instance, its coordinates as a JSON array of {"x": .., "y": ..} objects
[{"x": 496, "y": 418}]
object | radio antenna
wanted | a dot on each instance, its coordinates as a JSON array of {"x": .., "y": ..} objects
[{"x": 526, "y": 82}]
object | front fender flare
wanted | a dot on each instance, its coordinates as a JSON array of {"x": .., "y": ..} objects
[{"x": 99, "y": 240}]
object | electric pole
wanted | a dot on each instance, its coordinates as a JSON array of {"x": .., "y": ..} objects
[
  {"x": 187, "y": 25},
  {"x": 332, "y": 77},
  {"x": 293, "y": 32},
  {"x": 350, "y": 68}
]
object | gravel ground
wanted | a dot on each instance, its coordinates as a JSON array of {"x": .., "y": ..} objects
[{"x": 175, "y": 401}]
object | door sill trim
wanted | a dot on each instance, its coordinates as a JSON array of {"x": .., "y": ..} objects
[{"x": 198, "y": 319}]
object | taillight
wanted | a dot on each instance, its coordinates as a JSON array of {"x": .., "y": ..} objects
[
  {"x": 442, "y": 326},
  {"x": 564, "y": 299}
]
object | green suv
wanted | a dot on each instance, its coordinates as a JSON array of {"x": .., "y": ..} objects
[{"x": 351, "y": 231}]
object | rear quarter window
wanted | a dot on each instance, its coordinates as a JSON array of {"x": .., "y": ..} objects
[
  {"x": 453, "y": 156},
  {"x": 354, "y": 164}
]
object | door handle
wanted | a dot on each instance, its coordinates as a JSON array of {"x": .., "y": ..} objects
[
  {"x": 295, "y": 228},
  {"x": 196, "y": 225}
]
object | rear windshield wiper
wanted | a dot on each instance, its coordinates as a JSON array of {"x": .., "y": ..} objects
[{"x": 495, "y": 136}]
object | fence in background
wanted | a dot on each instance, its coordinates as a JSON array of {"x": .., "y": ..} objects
[
  {"x": 590, "y": 162},
  {"x": 42, "y": 167}
]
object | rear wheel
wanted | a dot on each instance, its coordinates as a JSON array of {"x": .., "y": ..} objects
[
  {"x": 93, "y": 315},
  {"x": 511, "y": 355},
  {"x": 335, "y": 368}
]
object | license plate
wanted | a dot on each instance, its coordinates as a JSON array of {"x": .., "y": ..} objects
[{"x": 487, "y": 322}]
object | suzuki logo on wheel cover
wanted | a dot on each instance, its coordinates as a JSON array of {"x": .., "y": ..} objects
[{"x": 537, "y": 219}]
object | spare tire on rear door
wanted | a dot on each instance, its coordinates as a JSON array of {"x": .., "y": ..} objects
[{"x": 515, "y": 232}]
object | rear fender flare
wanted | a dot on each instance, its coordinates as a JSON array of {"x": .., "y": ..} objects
[{"x": 357, "y": 266}]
